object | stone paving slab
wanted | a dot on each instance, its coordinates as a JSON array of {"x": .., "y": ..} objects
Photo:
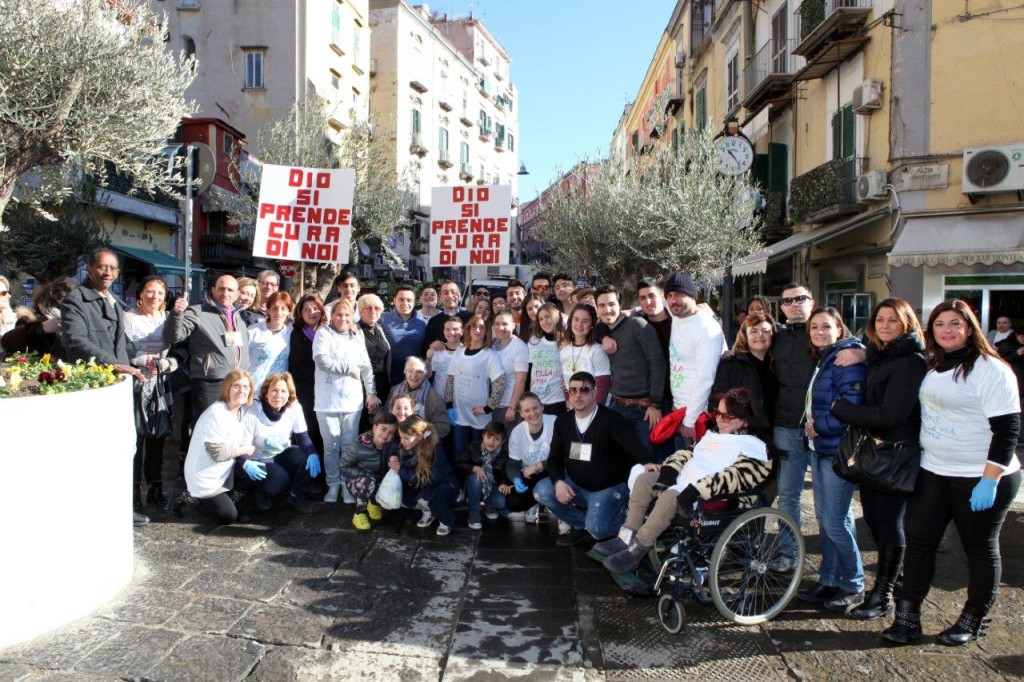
[
  {"x": 130, "y": 653},
  {"x": 203, "y": 657}
]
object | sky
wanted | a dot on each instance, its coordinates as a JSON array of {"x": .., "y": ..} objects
[{"x": 576, "y": 64}]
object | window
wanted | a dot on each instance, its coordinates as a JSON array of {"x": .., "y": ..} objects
[
  {"x": 253, "y": 69},
  {"x": 732, "y": 80},
  {"x": 356, "y": 31},
  {"x": 335, "y": 80},
  {"x": 444, "y": 84},
  {"x": 229, "y": 143},
  {"x": 442, "y": 142},
  {"x": 189, "y": 46},
  {"x": 500, "y": 135},
  {"x": 336, "y": 25},
  {"x": 844, "y": 134},
  {"x": 464, "y": 154},
  {"x": 511, "y": 142},
  {"x": 700, "y": 109},
  {"x": 415, "y": 121},
  {"x": 780, "y": 44}
]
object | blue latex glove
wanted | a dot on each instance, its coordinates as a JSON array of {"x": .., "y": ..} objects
[
  {"x": 984, "y": 494},
  {"x": 255, "y": 470},
  {"x": 520, "y": 484},
  {"x": 313, "y": 465},
  {"x": 451, "y": 415}
]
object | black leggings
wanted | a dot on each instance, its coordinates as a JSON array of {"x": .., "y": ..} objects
[
  {"x": 148, "y": 464},
  {"x": 936, "y": 501},
  {"x": 286, "y": 469},
  {"x": 883, "y": 513},
  {"x": 221, "y": 508},
  {"x": 518, "y": 502}
]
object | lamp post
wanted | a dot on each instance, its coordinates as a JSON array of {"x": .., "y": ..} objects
[{"x": 519, "y": 227}]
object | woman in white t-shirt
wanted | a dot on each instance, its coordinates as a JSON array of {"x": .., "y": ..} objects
[
  {"x": 515, "y": 362},
  {"x": 545, "y": 364},
  {"x": 970, "y": 420},
  {"x": 438, "y": 361},
  {"x": 528, "y": 449},
  {"x": 475, "y": 384},
  {"x": 580, "y": 353},
  {"x": 282, "y": 443}
]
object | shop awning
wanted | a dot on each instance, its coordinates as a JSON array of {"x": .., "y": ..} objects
[
  {"x": 161, "y": 262},
  {"x": 757, "y": 263},
  {"x": 960, "y": 240}
]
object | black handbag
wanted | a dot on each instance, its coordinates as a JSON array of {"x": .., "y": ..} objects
[
  {"x": 153, "y": 400},
  {"x": 879, "y": 464}
]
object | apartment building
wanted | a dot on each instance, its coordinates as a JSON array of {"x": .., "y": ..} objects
[
  {"x": 856, "y": 112},
  {"x": 441, "y": 89}
]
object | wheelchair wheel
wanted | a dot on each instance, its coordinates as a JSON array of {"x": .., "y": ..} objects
[
  {"x": 671, "y": 614},
  {"x": 743, "y": 587}
]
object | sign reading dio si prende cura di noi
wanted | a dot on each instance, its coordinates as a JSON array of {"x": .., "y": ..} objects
[
  {"x": 470, "y": 225},
  {"x": 305, "y": 214}
]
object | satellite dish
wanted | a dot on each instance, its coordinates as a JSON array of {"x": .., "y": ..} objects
[
  {"x": 363, "y": 248},
  {"x": 204, "y": 166},
  {"x": 988, "y": 168}
]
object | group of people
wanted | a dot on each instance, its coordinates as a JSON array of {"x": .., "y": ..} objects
[{"x": 550, "y": 398}]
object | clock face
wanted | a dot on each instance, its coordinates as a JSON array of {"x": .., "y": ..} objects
[{"x": 735, "y": 155}]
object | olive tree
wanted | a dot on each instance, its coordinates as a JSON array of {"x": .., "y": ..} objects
[
  {"x": 677, "y": 212},
  {"x": 83, "y": 83}
]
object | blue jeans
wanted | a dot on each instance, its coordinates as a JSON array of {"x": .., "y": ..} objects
[
  {"x": 840, "y": 557},
  {"x": 474, "y": 488},
  {"x": 636, "y": 416},
  {"x": 795, "y": 460},
  {"x": 601, "y": 512}
]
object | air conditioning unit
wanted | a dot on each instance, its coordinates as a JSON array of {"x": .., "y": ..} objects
[
  {"x": 871, "y": 186},
  {"x": 996, "y": 168},
  {"x": 867, "y": 96}
]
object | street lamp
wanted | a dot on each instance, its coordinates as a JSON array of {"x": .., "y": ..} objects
[{"x": 519, "y": 226}]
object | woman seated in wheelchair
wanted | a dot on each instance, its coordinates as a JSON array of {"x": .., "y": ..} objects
[{"x": 732, "y": 461}]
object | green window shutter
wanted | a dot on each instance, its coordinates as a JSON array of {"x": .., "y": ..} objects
[
  {"x": 837, "y": 135},
  {"x": 849, "y": 133},
  {"x": 778, "y": 162},
  {"x": 415, "y": 121},
  {"x": 700, "y": 109},
  {"x": 760, "y": 172},
  {"x": 464, "y": 152}
]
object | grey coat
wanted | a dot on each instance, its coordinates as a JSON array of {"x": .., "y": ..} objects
[
  {"x": 205, "y": 327},
  {"x": 90, "y": 327}
]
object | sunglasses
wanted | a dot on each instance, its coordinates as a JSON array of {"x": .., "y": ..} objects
[
  {"x": 580, "y": 390},
  {"x": 795, "y": 299},
  {"x": 724, "y": 416},
  {"x": 483, "y": 292},
  {"x": 543, "y": 287}
]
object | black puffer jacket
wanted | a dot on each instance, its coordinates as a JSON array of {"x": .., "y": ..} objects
[
  {"x": 794, "y": 367},
  {"x": 891, "y": 410},
  {"x": 744, "y": 369}
]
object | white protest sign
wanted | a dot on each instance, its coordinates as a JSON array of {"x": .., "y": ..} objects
[
  {"x": 305, "y": 214},
  {"x": 470, "y": 225}
]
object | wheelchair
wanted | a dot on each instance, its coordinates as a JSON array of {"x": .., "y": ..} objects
[{"x": 723, "y": 555}]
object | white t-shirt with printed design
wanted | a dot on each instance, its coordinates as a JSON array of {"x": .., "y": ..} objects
[
  {"x": 546, "y": 373},
  {"x": 590, "y": 358},
  {"x": 473, "y": 376},
  {"x": 523, "y": 447}
]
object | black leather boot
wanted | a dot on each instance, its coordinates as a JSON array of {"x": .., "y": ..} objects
[
  {"x": 137, "y": 497},
  {"x": 880, "y": 602},
  {"x": 968, "y": 627},
  {"x": 177, "y": 500},
  {"x": 155, "y": 495},
  {"x": 907, "y": 626}
]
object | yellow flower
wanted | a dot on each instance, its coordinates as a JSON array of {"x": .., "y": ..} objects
[
  {"x": 46, "y": 359},
  {"x": 15, "y": 380}
]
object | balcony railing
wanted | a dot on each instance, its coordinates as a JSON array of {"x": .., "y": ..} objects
[
  {"x": 769, "y": 73},
  {"x": 485, "y": 133},
  {"x": 465, "y": 171},
  {"x": 826, "y": 192},
  {"x": 416, "y": 145},
  {"x": 822, "y": 21},
  {"x": 702, "y": 15},
  {"x": 217, "y": 249},
  {"x": 675, "y": 95},
  {"x": 442, "y": 159}
]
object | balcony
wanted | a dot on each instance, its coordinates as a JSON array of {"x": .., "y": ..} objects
[
  {"x": 484, "y": 86},
  {"x": 702, "y": 16},
  {"x": 465, "y": 119},
  {"x": 225, "y": 250},
  {"x": 416, "y": 146},
  {"x": 419, "y": 246},
  {"x": 825, "y": 193},
  {"x": 465, "y": 172},
  {"x": 442, "y": 159},
  {"x": 485, "y": 133},
  {"x": 675, "y": 95},
  {"x": 443, "y": 103},
  {"x": 768, "y": 75},
  {"x": 417, "y": 85},
  {"x": 499, "y": 103},
  {"x": 500, "y": 144},
  {"x": 773, "y": 221},
  {"x": 820, "y": 23}
]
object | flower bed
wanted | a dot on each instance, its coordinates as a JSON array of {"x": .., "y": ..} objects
[
  {"x": 25, "y": 375},
  {"x": 67, "y": 540}
]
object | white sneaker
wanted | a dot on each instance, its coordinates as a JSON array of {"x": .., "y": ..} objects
[
  {"x": 347, "y": 497},
  {"x": 563, "y": 528},
  {"x": 474, "y": 523},
  {"x": 425, "y": 520},
  {"x": 443, "y": 529},
  {"x": 533, "y": 513},
  {"x": 332, "y": 494}
]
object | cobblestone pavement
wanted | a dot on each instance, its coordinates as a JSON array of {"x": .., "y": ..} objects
[{"x": 294, "y": 597}]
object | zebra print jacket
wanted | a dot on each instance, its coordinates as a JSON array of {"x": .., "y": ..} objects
[{"x": 744, "y": 474}]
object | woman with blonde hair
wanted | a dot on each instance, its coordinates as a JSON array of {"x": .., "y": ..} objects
[
  {"x": 250, "y": 303},
  {"x": 429, "y": 482}
]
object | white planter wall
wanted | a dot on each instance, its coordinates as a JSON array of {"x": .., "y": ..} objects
[{"x": 66, "y": 543}]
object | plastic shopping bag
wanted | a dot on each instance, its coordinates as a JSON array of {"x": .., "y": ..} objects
[{"x": 389, "y": 494}]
